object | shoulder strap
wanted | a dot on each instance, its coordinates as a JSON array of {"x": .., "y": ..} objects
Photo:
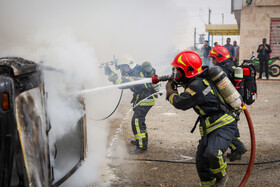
[{"x": 223, "y": 105}]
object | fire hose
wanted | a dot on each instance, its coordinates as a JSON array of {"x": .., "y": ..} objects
[
  {"x": 156, "y": 79},
  {"x": 253, "y": 146},
  {"x": 113, "y": 110}
]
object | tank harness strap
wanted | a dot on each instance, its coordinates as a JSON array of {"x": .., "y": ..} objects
[
  {"x": 203, "y": 124},
  {"x": 204, "y": 138},
  {"x": 196, "y": 122}
]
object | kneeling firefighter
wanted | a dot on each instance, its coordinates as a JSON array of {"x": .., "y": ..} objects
[
  {"x": 131, "y": 72},
  {"x": 217, "y": 128},
  {"x": 221, "y": 57}
]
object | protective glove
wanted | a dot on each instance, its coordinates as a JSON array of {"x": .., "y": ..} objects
[
  {"x": 170, "y": 89},
  {"x": 156, "y": 89},
  {"x": 107, "y": 70},
  {"x": 113, "y": 78}
]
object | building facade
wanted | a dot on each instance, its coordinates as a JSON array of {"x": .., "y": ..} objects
[{"x": 257, "y": 19}]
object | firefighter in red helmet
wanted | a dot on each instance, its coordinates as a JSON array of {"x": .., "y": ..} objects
[
  {"x": 221, "y": 57},
  {"x": 217, "y": 128}
]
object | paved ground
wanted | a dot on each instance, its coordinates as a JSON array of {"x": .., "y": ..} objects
[{"x": 170, "y": 139}]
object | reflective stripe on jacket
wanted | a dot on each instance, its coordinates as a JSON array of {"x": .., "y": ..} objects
[
  {"x": 199, "y": 96},
  {"x": 141, "y": 91}
]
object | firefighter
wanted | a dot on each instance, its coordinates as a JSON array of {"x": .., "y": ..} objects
[
  {"x": 221, "y": 57},
  {"x": 217, "y": 128},
  {"x": 131, "y": 72}
]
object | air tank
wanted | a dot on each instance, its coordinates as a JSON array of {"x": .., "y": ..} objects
[{"x": 230, "y": 95}]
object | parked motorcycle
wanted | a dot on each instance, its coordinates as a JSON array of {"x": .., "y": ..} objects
[{"x": 273, "y": 69}]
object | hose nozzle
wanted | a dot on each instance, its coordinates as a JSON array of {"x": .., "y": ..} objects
[{"x": 156, "y": 78}]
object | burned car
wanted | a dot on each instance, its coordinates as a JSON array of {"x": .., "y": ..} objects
[{"x": 25, "y": 156}]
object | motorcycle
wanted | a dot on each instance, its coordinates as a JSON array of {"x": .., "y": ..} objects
[{"x": 273, "y": 69}]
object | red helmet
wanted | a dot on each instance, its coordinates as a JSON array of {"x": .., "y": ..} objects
[
  {"x": 189, "y": 62},
  {"x": 220, "y": 53}
]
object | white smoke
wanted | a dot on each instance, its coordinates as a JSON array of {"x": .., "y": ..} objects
[{"x": 76, "y": 36}]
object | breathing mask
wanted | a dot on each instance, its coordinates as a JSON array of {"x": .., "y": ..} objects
[
  {"x": 124, "y": 68},
  {"x": 148, "y": 70}
]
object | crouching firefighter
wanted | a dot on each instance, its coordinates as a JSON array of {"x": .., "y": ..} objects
[
  {"x": 131, "y": 72},
  {"x": 217, "y": 128},
  {"x": 221, "y": 57}
]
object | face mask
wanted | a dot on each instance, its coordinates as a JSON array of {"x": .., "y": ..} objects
[
  {"x": 150, "y": 73},
  {"x": 178, "y": 76},
  {"x": 147, "y": 69},
  {"x": 124, "y": 69}
]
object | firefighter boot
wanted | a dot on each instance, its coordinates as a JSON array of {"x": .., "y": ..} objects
[
  {"x": 133, "y": 142},
  {"x": 237, "y": 154},
  {"x": 140, "y": 148},
  {"x": 221, "y": 182},
  {"x": 138, "y": 151}
]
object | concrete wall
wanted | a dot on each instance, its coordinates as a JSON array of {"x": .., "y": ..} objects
[{"x": 255, "y": 24}]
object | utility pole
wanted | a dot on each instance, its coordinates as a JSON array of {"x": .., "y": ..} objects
[
  {"x": 209, "y": 23},
  {"x": 222, "y": 23},
  {"x": 194, "y": 39}
]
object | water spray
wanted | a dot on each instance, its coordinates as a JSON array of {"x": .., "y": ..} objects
[
  {"x": 121, "y": 86},
  {"x": 118, "y": 131},
  {"x": 155, "y": 79}
]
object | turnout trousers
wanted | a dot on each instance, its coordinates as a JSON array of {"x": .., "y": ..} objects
[
  {"x": 236, "y": 143},
  {"x": 263, "y": 62},
  {"x": 210, "y": 160},
  {"x": 139, "y": 127}
]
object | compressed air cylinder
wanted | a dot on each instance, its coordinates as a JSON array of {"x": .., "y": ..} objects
[
  {"x": 225, "y": 87},
  {"x": 238, "y": 80}
]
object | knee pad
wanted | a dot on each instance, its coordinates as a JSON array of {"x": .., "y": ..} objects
[{"x": 211, "y": 153}]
